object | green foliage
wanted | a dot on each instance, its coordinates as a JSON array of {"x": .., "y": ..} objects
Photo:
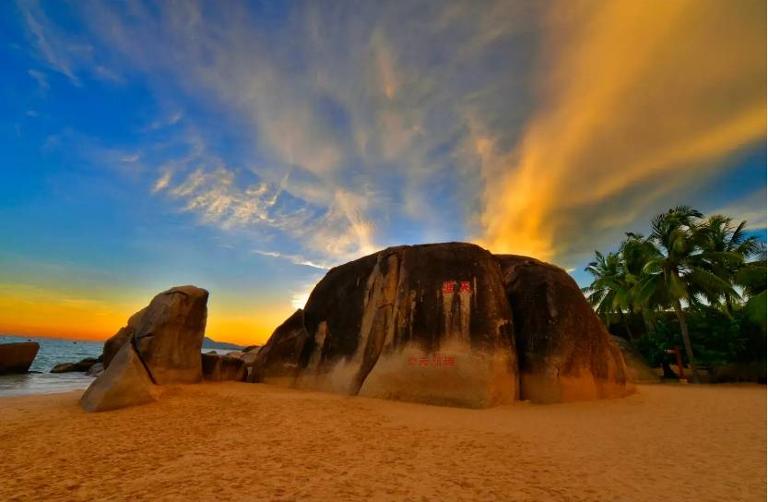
[
  {"x": 692, "y": 281},
  {"x": 718, "y": 338}
]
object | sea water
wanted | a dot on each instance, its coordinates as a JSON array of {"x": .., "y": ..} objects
[{"x": 52, "y": 352}]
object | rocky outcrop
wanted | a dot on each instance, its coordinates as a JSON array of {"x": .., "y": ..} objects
[
  {"x": 17, "y": 357},
  {"x": 447, "y": 324},
  {"x": 124, "y": 383},
  {"x": 281, "y": 356},
  {"x": 217, "y": 367},
  {"x": 422, "y": 323},
  {"x": 167, "y": 334},
  {"x": 564, "y": 350},
  {"x": 81, "y": 366}
]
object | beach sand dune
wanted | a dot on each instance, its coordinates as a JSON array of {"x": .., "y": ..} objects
[{"x": 234, "y": 441}]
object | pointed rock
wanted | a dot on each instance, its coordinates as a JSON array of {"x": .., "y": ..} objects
[
  {"x": 124, "y": 383},
  {"x": 168, "y": 335}
]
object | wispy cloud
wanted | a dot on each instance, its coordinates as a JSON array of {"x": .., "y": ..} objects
[
  {"x": 540, "y": 128},
  {"x": 637, "y": 101},
  {"x": 48, "y": 40},
  {"x": 40, "y": 78},
  {"x": 293, "y": 258},
  {"x": 750, "y": 209}
]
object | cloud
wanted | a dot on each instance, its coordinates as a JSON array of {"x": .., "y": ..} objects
[
  {"x": 532, "y": 127},
  {"x": 40, "y": 78},
  {"x": 48, "y": 41},
  {"x": 636, "y": 103},
  {"x": 293, "y": 258},
  {"x": 750, "y": 209}
]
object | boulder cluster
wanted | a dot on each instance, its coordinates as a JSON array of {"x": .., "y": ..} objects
[
  {"x": 440, "y": 323},
  {"x": 161, "y": 344},
  {"x": 446, "y": 324}
]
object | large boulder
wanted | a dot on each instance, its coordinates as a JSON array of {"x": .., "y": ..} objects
[
  {"x": 17, "y": 357},
  {"x": 167, "y": 334},
  {"x": 447, "y": 324},
  {"x": 124, "y": 383},
  {"x": 564, "y": 350},
  {"x": 424, "y": 323},
  {"x": 218, "y": 367}
]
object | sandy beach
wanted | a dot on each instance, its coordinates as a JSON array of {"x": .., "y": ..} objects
[{"x": 236, "y": 441}]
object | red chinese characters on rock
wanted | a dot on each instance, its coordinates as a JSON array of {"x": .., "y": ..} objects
[
  {"x": 449, "y": 287},
  {"x": 435, "y": 361}
]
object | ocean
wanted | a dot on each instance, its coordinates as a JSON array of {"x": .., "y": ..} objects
[{"x": 52, "y": 352}]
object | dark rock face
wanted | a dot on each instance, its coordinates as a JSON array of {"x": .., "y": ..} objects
[
  {"x": 17, "y": 357},
  {"x": 422, "y": 323},
  {"x": 564, "y": 350},
  {"x": 218, "y": 368},
  {"x": 445, "y": 324},
  {"x": 124, "y": 383},
  {"x": 81, "y": 366},
  {"x": 281, "y": 356},
  {"x": 167, "y": 334}
]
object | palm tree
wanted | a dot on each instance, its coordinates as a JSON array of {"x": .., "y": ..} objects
[
  {"x": 681, "y": 270},
  {"x": 636, "y": 251},
  {"x": 730, "y": 246},
  {"x": 751, "y": 278},
  {"x": 609, "y": 292}
]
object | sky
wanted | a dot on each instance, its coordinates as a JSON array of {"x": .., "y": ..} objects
[{"x": 248, "y": 147}]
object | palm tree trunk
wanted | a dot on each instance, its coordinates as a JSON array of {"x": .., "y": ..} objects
[{"x": 686, "y": 340}]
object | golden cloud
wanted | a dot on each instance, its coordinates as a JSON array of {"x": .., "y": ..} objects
[{"x": 633, "y": 94}]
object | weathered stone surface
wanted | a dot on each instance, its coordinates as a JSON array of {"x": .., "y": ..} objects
[
  {"x": 638, "y": 370},
  {"x": 370, "y": 325},
  {"x": 280, "y": 357},
  {"x": 17, "y": 357},
  {"x": 124, "y": 383},
  {"x": 123, "y": 335},
  {"x": 565, "y": 352},
  {"x": 81, "y": 366},
  {"x": 217, "y": 367},
  {"x": 168, "y": 335}
]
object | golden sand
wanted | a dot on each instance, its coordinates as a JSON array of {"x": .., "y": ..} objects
[{"x": 236, "y": 441}]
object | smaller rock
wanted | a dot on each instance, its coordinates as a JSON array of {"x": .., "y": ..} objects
[
  {"x": 81, "y": 366},
  {"x": 250, "y": 348},
  {"x": 219, "y": 368},
  {"x": 124, "y": 383},
  {"x": 17, "y": 357}
]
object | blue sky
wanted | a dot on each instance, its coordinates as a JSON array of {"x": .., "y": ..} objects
[{"x": 246, "y": 147}]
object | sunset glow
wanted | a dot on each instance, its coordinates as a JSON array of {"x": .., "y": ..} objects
[{"x": 247, "y": 148}]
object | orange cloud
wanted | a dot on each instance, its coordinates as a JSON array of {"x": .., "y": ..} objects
[{"x": 637, "y": 99}]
